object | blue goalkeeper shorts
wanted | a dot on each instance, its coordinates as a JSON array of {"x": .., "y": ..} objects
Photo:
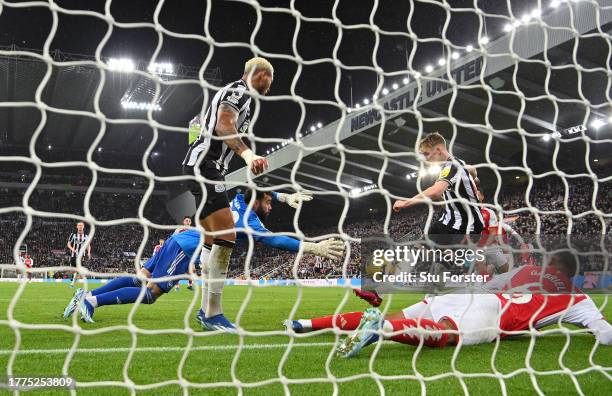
[{"x": 168, "y": 261}]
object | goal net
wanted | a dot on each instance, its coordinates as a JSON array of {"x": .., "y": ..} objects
[{"x": 100, "y": 102}]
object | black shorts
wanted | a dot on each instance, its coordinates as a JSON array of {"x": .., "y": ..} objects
[
  {"x": 216, "y": 194},
  {"x": 443, "y": 235}
]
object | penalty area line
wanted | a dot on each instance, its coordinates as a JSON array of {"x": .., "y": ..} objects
[{"x": 164, "y": 349}]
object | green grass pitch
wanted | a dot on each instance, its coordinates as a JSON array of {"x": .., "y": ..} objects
[{"x": 264, "y": 359}]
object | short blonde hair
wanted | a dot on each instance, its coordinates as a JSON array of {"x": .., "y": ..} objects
[
  {"x": 431, "y": 140},
  {"x": 255, "y": 64}
]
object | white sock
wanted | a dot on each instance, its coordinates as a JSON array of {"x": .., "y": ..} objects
[
  {"x": 306, "y": 323},
  {"x": 92, "y": 300},
  {"x": 204, "y": 264},
  {"x": 73, "y": 278},
  {"x": 219, "y": 261},
  {"x": 602, "y": 330},
  {"x": 387, "y": 328}
]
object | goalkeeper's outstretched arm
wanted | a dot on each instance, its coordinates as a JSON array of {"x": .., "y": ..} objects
[
  {"x": 294, "y": 199},
  {"x": 329, "y": 248}
]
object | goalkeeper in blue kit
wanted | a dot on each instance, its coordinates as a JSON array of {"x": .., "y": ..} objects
[
  {"x": 170, "y": 261},
  {"x": 251, "y": 222}
]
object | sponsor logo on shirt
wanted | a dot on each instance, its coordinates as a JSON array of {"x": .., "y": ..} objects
[{"x": 445, "y": 172}]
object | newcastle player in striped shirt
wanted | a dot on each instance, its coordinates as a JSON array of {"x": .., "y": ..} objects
[
  {"x": 455, "y": 183},
  {"x": 76, "y": 243},
  {"x": 224, "y": 121}
]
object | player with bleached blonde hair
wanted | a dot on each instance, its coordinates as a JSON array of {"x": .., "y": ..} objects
[{"x": 223, "y": 125}]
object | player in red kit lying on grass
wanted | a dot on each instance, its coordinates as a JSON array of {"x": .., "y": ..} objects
[{"x": 476, "y": 318}]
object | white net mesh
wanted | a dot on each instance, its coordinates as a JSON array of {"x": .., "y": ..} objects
[{"x": 520, "y": 90}]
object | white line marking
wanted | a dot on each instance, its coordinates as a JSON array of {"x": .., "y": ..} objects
[
  {"x": 164, "y": 349},
  {"x": 65, "y": 300}
]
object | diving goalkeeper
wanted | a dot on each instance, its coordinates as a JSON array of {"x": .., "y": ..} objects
[{"x": 251, "y": 221}]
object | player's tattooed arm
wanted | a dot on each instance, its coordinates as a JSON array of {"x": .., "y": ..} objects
[{"x": 227, "y": 117}]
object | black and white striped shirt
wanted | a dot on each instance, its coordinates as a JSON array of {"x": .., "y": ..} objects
[
  {"x": 234, "y": 95},
  {"x": 77, "y": 241},
  {"x": 458, "y": 215}
]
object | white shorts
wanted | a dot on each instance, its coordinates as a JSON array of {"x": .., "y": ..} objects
[{"x": 475, "y": 315}]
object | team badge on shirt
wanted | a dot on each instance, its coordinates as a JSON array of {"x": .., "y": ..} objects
[{"x": 445, "y": 172}]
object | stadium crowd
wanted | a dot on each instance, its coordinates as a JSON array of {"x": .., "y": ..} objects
[{"x": 113, "y": 247}]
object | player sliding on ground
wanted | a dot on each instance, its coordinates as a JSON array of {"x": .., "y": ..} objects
[
  {"x": 252, "y": 220},
  {"x": 474, "y": 318},
  {"x": 171, "y": 260}
]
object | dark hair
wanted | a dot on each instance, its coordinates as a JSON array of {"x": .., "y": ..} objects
[
  {"x": 565, "y": 262},
  {"x": 481, "y": 191},
  {"x": 186, "y": 217},
  {"x": 258, "y": 194}
]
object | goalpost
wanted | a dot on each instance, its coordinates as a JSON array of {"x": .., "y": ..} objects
[{"x": 486, "y": 74}]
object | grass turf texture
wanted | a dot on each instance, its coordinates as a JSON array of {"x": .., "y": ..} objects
[{"x": 158, "y": 357}]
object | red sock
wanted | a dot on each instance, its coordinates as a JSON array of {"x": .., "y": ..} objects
[
  {"x": 345, "y": 321},
  {"x": 189, "y": 282},
  {"x": 436, "y": 340}
]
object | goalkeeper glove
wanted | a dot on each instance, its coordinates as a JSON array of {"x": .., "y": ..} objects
[
  {"x": 256, "y": 163},
  {"x": 293, "y": 200},
  {"x": 329, "y": 248}
]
